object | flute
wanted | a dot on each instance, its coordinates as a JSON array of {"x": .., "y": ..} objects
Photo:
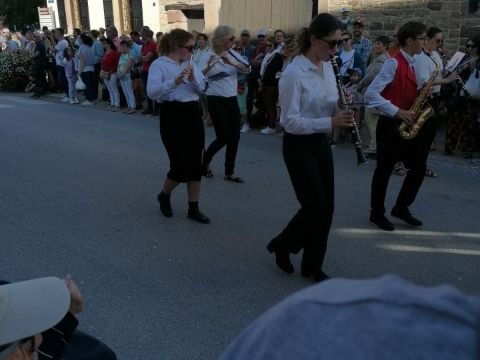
[{"x": 185, "y": 78}]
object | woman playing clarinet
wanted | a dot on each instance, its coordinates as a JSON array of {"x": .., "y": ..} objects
[{"x": 310, "y": 109}]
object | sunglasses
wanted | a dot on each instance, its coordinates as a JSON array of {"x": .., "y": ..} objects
[
  {"x": 332, "y": 43},
  {"x": 189, "y": 48},
  {"x": 471, "y": 46},
  {"x": 261, "y": 36},
  {"x": 268, "y": 45},
  {"x": 346, "y": 40}
]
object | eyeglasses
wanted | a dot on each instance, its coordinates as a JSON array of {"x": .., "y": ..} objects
[
  {"x": 471, "y": 46},
  {"x": 346, "y": 40},
  {"x": 332, "y": 43},
  {"x": 189, "y": 48}
]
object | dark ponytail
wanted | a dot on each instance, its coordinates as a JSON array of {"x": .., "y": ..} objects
[{"x": 322, "y": 25}]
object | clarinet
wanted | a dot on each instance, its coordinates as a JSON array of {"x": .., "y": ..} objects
[{"x": 361, "y": 159}]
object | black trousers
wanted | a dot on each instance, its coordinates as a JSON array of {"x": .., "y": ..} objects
[
  {"x": 251, "y": 95},
  {"x": 310, "y": 166},
  {"x": 183, "y": 135},
  {"x": 391, "y": 148},
  {"x": 225, "y": 115}
]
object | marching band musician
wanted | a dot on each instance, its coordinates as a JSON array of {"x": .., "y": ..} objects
[
  {"x": 393, "y": 92},
  {"x": 175, "y": 82},
  {"x": 221, "y": 72},
  {"x": 425, "y": 65},
  {"x": 309, "y": 111}
]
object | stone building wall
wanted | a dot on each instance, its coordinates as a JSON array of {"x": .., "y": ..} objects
[{"x": 383, "y": 17}]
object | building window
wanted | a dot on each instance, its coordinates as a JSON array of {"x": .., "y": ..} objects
[
  {"x": 84, "y": 18},
  {"x": 62, "y": 15},
  {"x": 108, "y": 12},
  {"x": 136, "y": 16}
]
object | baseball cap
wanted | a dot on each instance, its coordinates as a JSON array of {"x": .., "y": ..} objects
[
  {"x": 374, "y": 319},
  {"x": 358, "y": 22},
  {"x": 262, "y": 31},
  {"x": 245, "y": 32},
  {"x": 30, "y": 307},
  {"x": 344, "y": 10}
]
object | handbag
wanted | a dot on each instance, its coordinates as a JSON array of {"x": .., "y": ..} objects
[
  {"x": 105, "y": 75},
  {"x": 80, "y": 85},
  {"x": 473, "y": 85}
]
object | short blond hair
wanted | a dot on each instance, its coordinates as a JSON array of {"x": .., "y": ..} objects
[{"x": 219, "y": 35}]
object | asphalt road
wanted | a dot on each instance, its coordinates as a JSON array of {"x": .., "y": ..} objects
[{"x": 78, "y": 196}]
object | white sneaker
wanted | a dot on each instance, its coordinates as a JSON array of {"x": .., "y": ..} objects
[
  {"x": 245, "y": 128},
  {"x": 75, "y": 101},
  {"x": 86, "y": 103},
  {"x": 267, "y": 131},
  {"x": 65, "y": 99},
  {"x": 72, "y": 101}
]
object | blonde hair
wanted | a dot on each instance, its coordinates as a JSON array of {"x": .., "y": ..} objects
[{"x": 218, "y": 37}]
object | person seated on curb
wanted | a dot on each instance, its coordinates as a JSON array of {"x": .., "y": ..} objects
[
  {"x": 372, "y": 319},
  {"x": 37, "y": 317}
]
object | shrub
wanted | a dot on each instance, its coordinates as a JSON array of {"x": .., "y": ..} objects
[{"x": 14, "y": 69}]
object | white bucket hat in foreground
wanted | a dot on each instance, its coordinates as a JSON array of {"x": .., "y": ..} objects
[{"x": 30, "y": 307}]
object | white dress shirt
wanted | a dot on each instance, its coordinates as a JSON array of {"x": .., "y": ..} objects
[
  {"x": 226, "y": 86},
  {"x": 424, "y": 68},
  {"x": 385, "y": 77},
  {"x": 307, "y": 97},
  {"x": 161, "y": 81}
]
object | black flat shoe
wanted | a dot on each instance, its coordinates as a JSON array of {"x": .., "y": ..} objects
[
  {"x": 282, "y": 259},
  {"x": 406, "y": 216},
  {"x": 165, "y": 207},
  {"x": 382, "y": 222},
  {"x": 317, "y": 276},
  {"x": 197, "y": 215}
]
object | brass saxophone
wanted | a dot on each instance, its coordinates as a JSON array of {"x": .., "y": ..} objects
[{"x": 421, "y": 110}]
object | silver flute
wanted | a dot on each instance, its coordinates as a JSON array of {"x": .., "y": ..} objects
[{"x": 185, "y": 77}]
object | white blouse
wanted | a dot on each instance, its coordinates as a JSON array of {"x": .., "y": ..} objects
[
  {"x": 424, "y": 68},
  {"x": 307, "y": 97},
  {"x": 222, "y": 78},
  {"x": 161, "y": 81}
]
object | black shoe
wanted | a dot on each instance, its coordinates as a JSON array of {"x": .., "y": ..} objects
[
  {"x": 197, "y": 215},
  {"x": 406, "y": 216},
  {"x": 146, "y": 112},
  {"x": 165, "y": 207},
  {"x": 382, "y": 222},
  {"x": 318, "y": 276},
  {"x": 282, "y": 259}
]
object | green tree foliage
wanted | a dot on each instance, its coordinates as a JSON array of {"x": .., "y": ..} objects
[{"x": 19, "y": 13}]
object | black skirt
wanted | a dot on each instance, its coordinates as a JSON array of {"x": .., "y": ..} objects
[{"x": 183, "y": 135}]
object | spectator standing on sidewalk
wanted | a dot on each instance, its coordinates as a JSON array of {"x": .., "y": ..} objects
[
  {"x": 360, "y": 43},
  {"x": 149, "y": 54},
  {"x": 59, "y": 50}
]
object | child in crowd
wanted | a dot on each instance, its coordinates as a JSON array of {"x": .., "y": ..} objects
[
  {"x": 125, "y": 64},
  {"x": 71, "y": 73},
  {"x": 355, "y": 75}
]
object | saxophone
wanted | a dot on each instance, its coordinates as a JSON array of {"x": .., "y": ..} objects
[{"x": 421, "y": 110}]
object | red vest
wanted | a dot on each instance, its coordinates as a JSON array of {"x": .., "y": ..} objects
[{"x": 402, "y": 91}]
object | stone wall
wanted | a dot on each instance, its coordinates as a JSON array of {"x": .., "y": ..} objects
[{"x": 383, "y": 17}]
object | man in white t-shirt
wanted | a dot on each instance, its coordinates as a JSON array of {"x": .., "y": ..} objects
[{"x": 62, "y": 44}]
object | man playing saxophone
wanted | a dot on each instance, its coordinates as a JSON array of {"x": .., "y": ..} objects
[{"x": 393, "y": 92}]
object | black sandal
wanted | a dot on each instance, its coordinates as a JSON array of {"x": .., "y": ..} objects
[{"x": 233, "y": 178}]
